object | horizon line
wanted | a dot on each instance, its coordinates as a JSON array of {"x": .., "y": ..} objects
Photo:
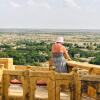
[{"x": 55, "y": 28}]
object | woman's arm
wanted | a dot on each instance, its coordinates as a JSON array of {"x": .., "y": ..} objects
[{"x": 66, "y": 55}]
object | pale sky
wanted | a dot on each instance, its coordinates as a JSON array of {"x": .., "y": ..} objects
[{"x": 63, "y": 14}]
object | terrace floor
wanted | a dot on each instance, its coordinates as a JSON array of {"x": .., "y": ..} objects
[{"x": 42, "y": 93}]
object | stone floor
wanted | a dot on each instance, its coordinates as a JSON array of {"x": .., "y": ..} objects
[{"x": 41, "y": 93}]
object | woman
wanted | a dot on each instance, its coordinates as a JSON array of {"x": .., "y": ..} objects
[{"x": 59, "y": 54}]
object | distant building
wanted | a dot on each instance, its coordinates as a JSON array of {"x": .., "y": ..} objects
[
  {"x": 77, "y": 55},
  {"x": 2, "y": 49},
  {"x": 86, "y": 59},
  {"x": 91, "y": 58}
]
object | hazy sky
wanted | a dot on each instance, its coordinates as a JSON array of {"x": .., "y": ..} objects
[{"x": 67, "y": 14}]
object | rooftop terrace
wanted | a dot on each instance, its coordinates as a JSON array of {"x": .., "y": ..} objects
[{"x": 43, "y": 83}]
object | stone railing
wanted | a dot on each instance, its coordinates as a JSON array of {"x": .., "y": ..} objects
[
  {"x": 81, "y": 71},
  {"x": 93, "y": 69},
  {"x": 89, "y": 75}
]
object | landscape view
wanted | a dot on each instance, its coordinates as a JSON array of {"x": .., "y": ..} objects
[{"x": 32, "y": 47}]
